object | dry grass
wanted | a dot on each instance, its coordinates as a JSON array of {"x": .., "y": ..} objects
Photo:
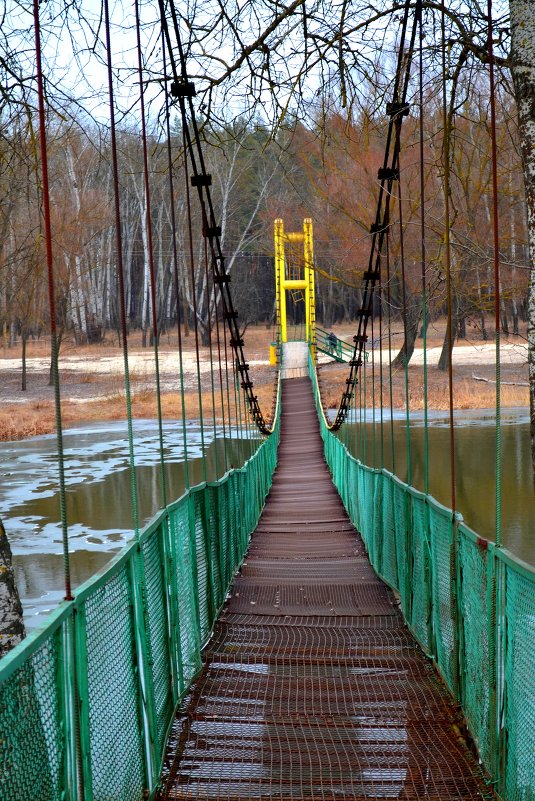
[
  {"x": 468, "y": 393},
  {"x": 32, "y": 417},
  {"x": 22, "y": 420}
]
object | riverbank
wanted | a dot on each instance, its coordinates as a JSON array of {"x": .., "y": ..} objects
[{"x": 92, "y": 383}]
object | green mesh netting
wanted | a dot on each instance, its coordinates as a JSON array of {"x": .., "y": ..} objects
[
  {"x": 113, "y": 692},
  {"x": 469, "y": 604},
  {"x": 401, "y": 505},
  {"x": 441, "y": 533},
  {"x": 420, "y": 619},
  {"x": 190, "y": 648},
  {"x": 135, "y": 634},
  {"x": 519, "y": 677},
  {"x": 475, "y": 603},
  {"x": 159, "y": 641},
  {"x": 387, "y": 541},
  {"x": 30, "y": 714}
]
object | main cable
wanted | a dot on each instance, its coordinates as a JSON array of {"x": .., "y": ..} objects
[
  {"x": 183, "y": 90},
  {"x": 397, "y": 109}
]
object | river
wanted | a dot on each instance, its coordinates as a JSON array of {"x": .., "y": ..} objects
[
  {"x": 98, "y": 494},
  {"x": 475, "y": 467},
  {"x": 99, "y": 505}
]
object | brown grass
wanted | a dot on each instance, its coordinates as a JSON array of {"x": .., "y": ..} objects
[
  {"x": 21, "y": 420},
  {"x": 30, "y": 418},
  {"x": 468, "y": 393}
]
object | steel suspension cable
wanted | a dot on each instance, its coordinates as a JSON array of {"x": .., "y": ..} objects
[
  {"x": 374, "y": 443},
  {"x": 120, "y": 270},
  {"x": 496, "y": 255},
  {"x": 381, "y": 375},
  {"x": 365, "y": 413},
  {"x": 423, "y": 248},
  {"x": 184, "y": 91},
  {"x": 211, "y": 356},
  {"x": 194, "y": 304},
  {"x": 222, "y": 394},
  {"x": 152, "y": 272},
  {"x": 447, "y": 244},
  {"x": 52, "y": 303},
  {"x": 405, "y": 332},
  {"x": 176, "y": 275},
  {"x": 387, "y": 175},
  {"x": 390, "y": 380}
]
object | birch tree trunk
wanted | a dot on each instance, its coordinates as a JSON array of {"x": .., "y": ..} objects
[
  {"x": 11, "y": 621},
  {"x": 523, "y": 72}
]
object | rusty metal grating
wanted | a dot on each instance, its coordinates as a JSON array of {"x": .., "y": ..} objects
[{"x": 312, "y": 687}]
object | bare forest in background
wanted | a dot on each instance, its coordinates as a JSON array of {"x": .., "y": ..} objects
[{"x": 326, "y": 169}]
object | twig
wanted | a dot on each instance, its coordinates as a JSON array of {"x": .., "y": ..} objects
[{"x": 504, "y": 383}]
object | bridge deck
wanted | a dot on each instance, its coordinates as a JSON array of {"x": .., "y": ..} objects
[{"x": 312, "y": 686}]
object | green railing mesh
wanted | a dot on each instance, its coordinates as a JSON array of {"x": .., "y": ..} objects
[
  {"x": 470, "y": 605},
  {"x": 87, "y": 701}
]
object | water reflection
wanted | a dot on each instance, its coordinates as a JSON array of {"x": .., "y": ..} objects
[
  {"x": 475, "y": 464},
  {"x": 99, "y": 499}
]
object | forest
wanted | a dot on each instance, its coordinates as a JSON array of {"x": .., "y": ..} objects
[{"x": 325, "y": 169}]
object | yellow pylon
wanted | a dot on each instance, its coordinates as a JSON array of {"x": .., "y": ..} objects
[{"x": 305, "y": 284}]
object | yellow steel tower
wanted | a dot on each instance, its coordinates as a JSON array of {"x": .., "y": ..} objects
[{"x": 305, "y": 282}]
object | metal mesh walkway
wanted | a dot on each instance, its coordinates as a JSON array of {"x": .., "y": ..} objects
[{"x": 312, "y": 686}]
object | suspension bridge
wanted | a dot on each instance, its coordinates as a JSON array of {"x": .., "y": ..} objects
[{"x": 306, "y": 626}]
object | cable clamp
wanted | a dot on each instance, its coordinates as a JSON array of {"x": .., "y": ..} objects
[
  {"x": 201, "y": 180},
  {"x": 388, "y": 173},
  {"x": 376, "y": 228},
  {"x": 212, "y": 231},
  {"x": 221, "y": 278},
  {"x": 370, "y": 275},
  {"x": 396, "y": 109},
  {"x": 231, "y": 314},
  {"x": 360, "y": 338},
  {"x": 183, "y": 89}
]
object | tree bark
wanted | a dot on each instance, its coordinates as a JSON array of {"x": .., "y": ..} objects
[
  {"x": 523, "y": 72},
  {"x": 11, "y": 620},
  {"x": 410, "y": 334}
]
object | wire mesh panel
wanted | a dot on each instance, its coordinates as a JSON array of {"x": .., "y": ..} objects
[
  {"x": 400, "y": 503},
  {"x": 459, "y": 612},
  {"x": 420, "y": 584},
  {"x": 520, "y": 684},
  {"x": 31, "y": 734},
  {"x": 158, "y": 627},
  {"x": 201, "y": 563},
  {"x": 374, "y": 508},
  {"x": 443, "y": 578},
  {"x": 475, "y": 604},
  {"x": 187, "y": 604},
  {"x": 224, "y": 544},
  {"x": 113, "y": 691},
  {"x": 388, "y": 556},
  {"x": 213, "y": 539},
  {"x": 134, "y": 644}
]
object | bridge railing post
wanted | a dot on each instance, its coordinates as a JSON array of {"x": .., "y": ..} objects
[{"x": 144, "y": 657}]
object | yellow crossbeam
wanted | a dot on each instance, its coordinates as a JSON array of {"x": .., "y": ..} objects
[{"x": 306, "y": 283}]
